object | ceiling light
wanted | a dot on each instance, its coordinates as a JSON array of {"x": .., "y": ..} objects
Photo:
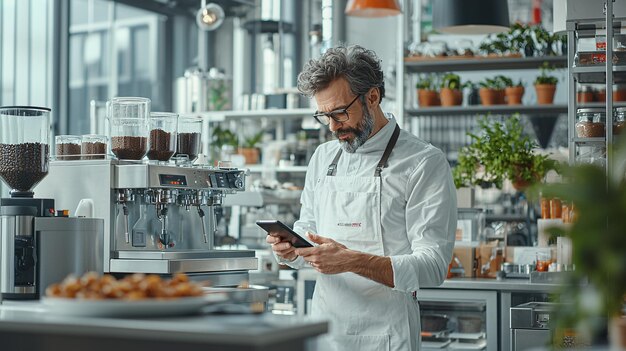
[
  {"x": 372, "y": 8},
  {"x": 470, "y": 16},
  {"x": 210, "y": 17}
]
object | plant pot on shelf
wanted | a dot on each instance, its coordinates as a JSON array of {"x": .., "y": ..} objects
[
  {"x": 490, "y": 97},
  {"x": 545, "y": 93},
  {"x": 428, "y": 98},
  {"x": 250, "y": 154},
  {"x": 514, "y": 95},
  {"x": 451, "y": 97}
]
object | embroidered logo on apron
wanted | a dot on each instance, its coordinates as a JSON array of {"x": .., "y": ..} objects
[{"x": 350, "y": 224}]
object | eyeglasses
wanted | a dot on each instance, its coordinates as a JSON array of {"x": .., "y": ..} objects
[{"x": 340, "y": 115}]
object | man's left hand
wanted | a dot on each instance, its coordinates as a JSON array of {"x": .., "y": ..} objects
[{"x": 329, "y": 257}]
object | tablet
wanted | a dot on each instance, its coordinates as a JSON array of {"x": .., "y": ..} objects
[{"x": 272, "y": 225}]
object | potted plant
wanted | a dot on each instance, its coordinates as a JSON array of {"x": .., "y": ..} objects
[
  {"x": 222, "y": 139},
  {"x": 514, "y": 92},
  {"x": 545, "y": 85},
  {"x": 427, "y": 91},
  {"x": 451, "y": 93},
  {"x": 499, "y": 152},
  {"x": 598, "y": 246},
  {"x": 492, "y": 91},
  {"x": 249, "y": 149}
]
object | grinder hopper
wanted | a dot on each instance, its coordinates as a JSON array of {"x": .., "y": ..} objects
[{"x": 24, "y": 147}]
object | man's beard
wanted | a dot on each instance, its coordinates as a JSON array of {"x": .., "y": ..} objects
[{"x": 361, "y": 133}]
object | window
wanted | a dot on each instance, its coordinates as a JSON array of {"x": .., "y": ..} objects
[{"x": 114, "y": 50}]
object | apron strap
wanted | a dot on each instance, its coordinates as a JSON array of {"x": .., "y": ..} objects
[
  {"x": 390, "y": 145},
  {"x": 383, "y": 160},
  {"x": 333, "y": 166}
]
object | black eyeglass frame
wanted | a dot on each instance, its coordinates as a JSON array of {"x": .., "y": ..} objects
[{"x": 319, "y": 116}]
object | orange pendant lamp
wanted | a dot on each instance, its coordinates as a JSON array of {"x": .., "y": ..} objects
[{"x": 373, "y": 8}]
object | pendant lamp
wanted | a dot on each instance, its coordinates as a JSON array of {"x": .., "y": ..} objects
[
  {"x": 373, "y": 8},
  {"x": 470, "y": 16}
]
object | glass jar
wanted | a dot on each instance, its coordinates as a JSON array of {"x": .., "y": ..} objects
[
  {"x": 24, "y": 147},
  {"x": 619, "y": 120},
  {"x": 128, "y": 126},
  {"x": 585, "y": 94},
  {"x": 163, "y": 135},
  {"x": 189, "y": 137},
  {"x": 68, "y": 147},
  {"x": 94, "y": 146},
  {"x": 590, "y": 122},
  {"x": 619, "y": 92}
]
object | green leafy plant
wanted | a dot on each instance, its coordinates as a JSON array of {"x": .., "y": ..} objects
[
  {"x": 597, "y": 235},
  {"x": 500, "y": 151},
  {"x": 453, "y": 81},
  {"x": 544, "y": 77},
  {"x": 496, "y": 83},
  {"x": 428, "y": 82},
  {"x": 223, "y": 136},
  {"x": 254, "y": 140}
]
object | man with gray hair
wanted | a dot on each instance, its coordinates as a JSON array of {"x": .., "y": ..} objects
[{"x": 379, "y": 203}]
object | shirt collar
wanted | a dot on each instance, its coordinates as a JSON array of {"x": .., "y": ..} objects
[{"x": 379, "y": 141}]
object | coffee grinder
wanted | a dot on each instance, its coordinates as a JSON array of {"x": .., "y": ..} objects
[{"x": 24, "y": 150}]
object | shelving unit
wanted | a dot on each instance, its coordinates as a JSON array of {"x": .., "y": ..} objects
[
  {"x": 482, "y": 64},
  {"x": 533, "y": 110},
  {"x": 606, "y": 74},
  {"x": 282, "y": 114}
]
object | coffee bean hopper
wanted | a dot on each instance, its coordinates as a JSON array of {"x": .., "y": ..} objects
[{"x": 36, "y": 248}]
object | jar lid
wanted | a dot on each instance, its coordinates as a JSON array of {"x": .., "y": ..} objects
[
  {"x": 591, "y": 110},
  {"x": 620, "y": 109}
]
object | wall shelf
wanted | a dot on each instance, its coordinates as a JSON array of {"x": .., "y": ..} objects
[
  {"x": 220, "y": 116},
  {"x": 530, "y": 110},
  {"x": 596, "y": 74},
  {"x": 482, "y": 64}
]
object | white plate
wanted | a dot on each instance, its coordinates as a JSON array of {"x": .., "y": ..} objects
[{"x": 129, "y": 308}]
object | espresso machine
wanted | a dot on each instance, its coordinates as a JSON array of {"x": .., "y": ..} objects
[
  {"x": 37, "y": 247},
  {"x": 158, "y": 218}
]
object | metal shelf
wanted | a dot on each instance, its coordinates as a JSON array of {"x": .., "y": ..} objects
[
  {"x": 590, "y": 141},
  {"x": 481, "y": 64},
  {"x": 531, "y": 110},
  {"x": 220, "y": 116},
  {"x": 597, "y": 74}
]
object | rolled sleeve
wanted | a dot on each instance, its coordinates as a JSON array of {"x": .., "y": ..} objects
[{"x": 431, "y": 215}]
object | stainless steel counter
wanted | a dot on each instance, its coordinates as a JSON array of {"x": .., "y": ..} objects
[
  {"x": 27, "y": 326},
  {"x": 513, "y": 285}
]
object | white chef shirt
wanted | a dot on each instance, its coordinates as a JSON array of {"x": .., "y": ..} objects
[{"x": 418, "y": 202}]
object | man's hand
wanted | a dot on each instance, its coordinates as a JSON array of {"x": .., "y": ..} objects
[
  {"x": 330, "y": 257},
  {"x": 281, "y": 247}
]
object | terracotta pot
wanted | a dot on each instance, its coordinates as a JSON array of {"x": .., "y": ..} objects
[
  {"x": 514, "y": 95},
  {"x": 250, "y": 154},
  {"x": 490, "y": 97},
  {"x": 545, "y": 93},
  {"x": 428, "y": 98},
  {"x": 521, "y": 184},
  {"x": 451, "y": 97}
]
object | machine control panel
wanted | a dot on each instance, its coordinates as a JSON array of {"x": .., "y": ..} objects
[
  {"x": 135, "y": 176},
  {"x": 172, "y": 180}
]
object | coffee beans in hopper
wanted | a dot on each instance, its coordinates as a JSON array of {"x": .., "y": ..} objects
[
  {"x": 129, "y": 147},
  {"x": 188, "y": 144},
  {"x": 160, "y": 148},
  {"x": 97, "y": 149},
  {"x": 24, "y": 165},
  {"x": 63, "y": 151}
]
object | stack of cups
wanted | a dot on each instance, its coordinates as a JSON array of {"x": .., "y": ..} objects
[{"x": 128, "y": 126}]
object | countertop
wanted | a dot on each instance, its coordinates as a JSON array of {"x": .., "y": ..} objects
[
  {"x": 498, "y": 284},
  {"x": 233, "y": 332}
]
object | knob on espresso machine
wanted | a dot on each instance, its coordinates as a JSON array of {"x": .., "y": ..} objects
[{"x": 18, "y": 268}]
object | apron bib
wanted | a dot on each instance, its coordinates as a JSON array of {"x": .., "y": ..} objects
[{"x": 364, "y": 315}]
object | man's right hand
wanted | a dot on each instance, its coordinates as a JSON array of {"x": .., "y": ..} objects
[{"x": 282, "y": 248}]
